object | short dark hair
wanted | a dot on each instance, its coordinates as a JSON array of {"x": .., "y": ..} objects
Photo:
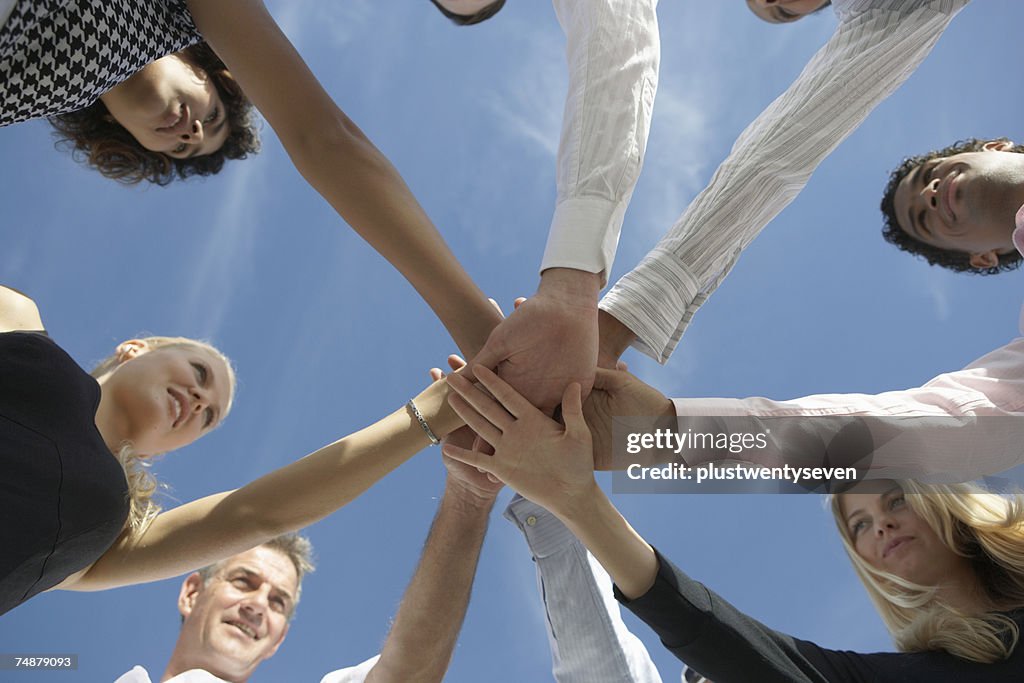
[
  {"x": 97, "y": 140},
  {"x": 470, "y": 19},
  {"x": 957, "y": 261}
]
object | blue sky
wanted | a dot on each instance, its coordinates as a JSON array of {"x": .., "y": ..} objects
[{"x": 327, "y": 337}]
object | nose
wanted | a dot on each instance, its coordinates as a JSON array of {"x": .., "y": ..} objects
[
  {"x": 257, "y": 603},
  {"x": 195, "y": 134},
  {"x": 930, "y": 193},
  {"x": 200, "y": 398},
  {"x": 885, "y": 523}
]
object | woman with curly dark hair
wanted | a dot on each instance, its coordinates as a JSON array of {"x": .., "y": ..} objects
[
  {"x": 136, "y": 70},
  {"x": 102, "y": 134}
]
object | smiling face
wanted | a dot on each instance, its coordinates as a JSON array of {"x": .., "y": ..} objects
[
  {"x": 784, "y": 11},
  {"x": 966, "y": 202},
  {"x": 171, "y": 106},
  {"x": 163, "y": 398},
  {"x": 239, "y": 617},
  {"x": 886, "y": 533}
]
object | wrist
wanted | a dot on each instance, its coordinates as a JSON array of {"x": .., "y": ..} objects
[
  {"x": 578, "y": 505},
  {"x": 464, "y": 500},
  {"x": 613, "y": 338},
  {"x": 576, "y": 287}
]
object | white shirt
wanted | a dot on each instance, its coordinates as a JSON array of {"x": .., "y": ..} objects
[
  {"x": 876, "y": 46},
  {"x": 613, "y": 51},
  {"x": 353, "y": 674}
]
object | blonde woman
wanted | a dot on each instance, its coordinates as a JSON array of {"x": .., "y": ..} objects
[
  {"x": 75, "y": 507},
  {"x": 946, "y": 568}
]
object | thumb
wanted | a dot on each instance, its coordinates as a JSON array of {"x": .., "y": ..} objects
[
  {"x": 572, "y": 410},
  {"x": 608, "y": 380}
]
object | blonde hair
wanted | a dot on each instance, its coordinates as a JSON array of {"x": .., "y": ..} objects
[
  {"x": 142, "y": 485},
  {"x": 984, "y": 527}
]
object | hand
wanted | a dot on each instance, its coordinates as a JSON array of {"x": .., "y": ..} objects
[
  {"x": 619, "y": 394},
  {"x": 550, "y": 340},
  {"x": 550, "y": 464},
  {"x": 469, "y": 484}
]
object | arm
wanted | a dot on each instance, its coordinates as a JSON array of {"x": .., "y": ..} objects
[
  {"x": 956, "y": 427},
  {"x": 18, "y": 312},
  {"x": 218, "y": 526},
  {"x": 428, "y": 622},
  {"x": 339, "y": 161},
  {"x": 871, "y": 53},
  {"x": 613, "y": 52},
  {"x": 589, "y": 641}
]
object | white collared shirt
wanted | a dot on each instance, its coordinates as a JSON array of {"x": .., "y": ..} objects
[{"x": 876, "y": 46}]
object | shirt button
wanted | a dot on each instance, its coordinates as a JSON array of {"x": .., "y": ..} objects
[{"x": 531, "y": 521}]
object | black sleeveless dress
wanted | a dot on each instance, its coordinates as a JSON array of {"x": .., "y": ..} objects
[{"x": 63, "y": 496}]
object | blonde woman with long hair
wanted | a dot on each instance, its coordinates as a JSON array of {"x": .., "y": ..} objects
[
  {"x": 76, "y": 507},
  {"x": 944, "y": 565}
]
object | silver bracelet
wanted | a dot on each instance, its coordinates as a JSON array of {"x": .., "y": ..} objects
[{"x": 423, "y": 422}]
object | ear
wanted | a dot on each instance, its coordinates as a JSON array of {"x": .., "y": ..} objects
[
  {"x": 280, "y": 640},
  {"x": 190, "y": 588},
  {"x": 997, "y": 146},
  {"x": 131, "y": 348},
  {"x": 987, "y": 259}
]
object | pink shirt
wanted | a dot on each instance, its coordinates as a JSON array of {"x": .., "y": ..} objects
[{"x": 942, "y": 451}]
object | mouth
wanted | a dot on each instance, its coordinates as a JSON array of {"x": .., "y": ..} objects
[
  {"x": 894, "y": 544},
  {"x": 947, "y": 195},
  {"x": 245, "y": 628},
  {"x": 179, "y": 407}
]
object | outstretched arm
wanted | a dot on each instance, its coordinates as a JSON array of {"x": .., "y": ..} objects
[
  {"x": 427, "y": 625},
  {"x": 337, "y": 159},
  {"x": 218, "y": 526}
]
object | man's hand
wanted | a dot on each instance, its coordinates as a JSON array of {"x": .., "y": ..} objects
[
  {"x": 619, "y": 394},
  {"x": 550, "y": 341},
  {"x": 613, "y": 339}
]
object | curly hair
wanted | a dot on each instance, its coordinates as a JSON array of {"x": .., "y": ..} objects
[
  {"x": 957, "y": 261},
  {"x": 470, "y": 19},
  {"x": 974, "y": 523},
  {"x": 93, "y": 137},
  {"x": 750, "y": 4}
]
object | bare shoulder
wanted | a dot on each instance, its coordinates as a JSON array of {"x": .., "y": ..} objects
[{"x": 18, "y": 311}]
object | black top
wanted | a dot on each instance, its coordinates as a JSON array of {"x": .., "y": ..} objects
[
  {"x": 727, "y": 646},
  {"x": 63, "y": 495},
  {"x": 58, "y": 56}
]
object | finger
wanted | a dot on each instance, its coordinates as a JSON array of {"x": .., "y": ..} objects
[
  {"x": 621, "y": 366},
  {"x": 456, "y": 362},
  {"x": 497, "y": 307},
  {"x": 436, "y": 374},
  {"x": 518, "y": 302},
  {"x": 474, "y": 420},
  {"x": 572, "y": 410},
  {"x": 511, "y": 399},
  {"x": 490, "y": 409},
  {"x": 608, "y": 380},
  {"x": 484, "y": 463}
]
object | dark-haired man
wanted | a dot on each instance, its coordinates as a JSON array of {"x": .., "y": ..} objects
[
  {"x": 235, "y": 614},
  {"x": 956, "y": 206},
  {"x": 468, "y": 12}
]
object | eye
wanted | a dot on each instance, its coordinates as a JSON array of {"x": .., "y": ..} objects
[
  {"x": 858, "y": 526},
  {"x": 240, "y": 582},
  {"x": 921, "y": 225},
  {"x": 179, "y": 149},
  {"x": 201, "y": 373},
  {"x": 897, "y": 502},
  {"x": 214, "y": 115},
  {"x": 278, "y": 604},
  {"x": 207, "y": 418}
]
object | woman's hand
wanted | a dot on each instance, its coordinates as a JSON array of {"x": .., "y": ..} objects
[{"x": 550, "y": 464}]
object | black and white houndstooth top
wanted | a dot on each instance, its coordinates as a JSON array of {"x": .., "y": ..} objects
[{"x": 58, "y": 56}]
